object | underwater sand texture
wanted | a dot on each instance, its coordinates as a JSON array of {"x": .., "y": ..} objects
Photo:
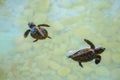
[{"x": 71, "y": 21}]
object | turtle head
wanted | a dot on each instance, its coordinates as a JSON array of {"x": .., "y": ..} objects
[
  {"x": 99, "y": 50},
  {"x": 31, "y": 24}
]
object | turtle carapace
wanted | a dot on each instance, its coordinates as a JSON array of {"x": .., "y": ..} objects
[
  {"x": 87, "y": 54},
  {"x": 37, "y": 32}
]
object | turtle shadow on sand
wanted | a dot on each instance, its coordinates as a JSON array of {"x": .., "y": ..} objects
[
  {"x": 87, "y": 54},
  {"x": 37, "y": 32}
]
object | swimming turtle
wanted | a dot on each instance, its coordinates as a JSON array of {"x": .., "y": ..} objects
[
  {"x": 37, "y": 32},
  {"x": 87, "y": 54}
]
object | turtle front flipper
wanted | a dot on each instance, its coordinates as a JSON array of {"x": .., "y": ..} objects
[
  {"x": 45, "y": 25},
  {"x": 97, "y": 59},
  {"x": 35, "y": 40},
  {"x": 90, "y": 43},
  {"x": 26, "y": 33},
  {"x": 80, "y": 64}
]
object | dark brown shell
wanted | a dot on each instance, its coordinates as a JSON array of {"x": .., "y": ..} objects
[
  {"x": 37, "y": 35},
  {"x": 83, "y": 55}
]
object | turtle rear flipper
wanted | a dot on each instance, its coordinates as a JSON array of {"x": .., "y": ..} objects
[
  {"x": 49, "y": 37},
  {"x": 35, "y": 40},
  {"x": 97, "y": 59},
  {"x": 45, "y": 25},
  {"x": 26, "y": 33},
  {"x": 80, "y": 64},
  {"x": 90, "y": 43}
]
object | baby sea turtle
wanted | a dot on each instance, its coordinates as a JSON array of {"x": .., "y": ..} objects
[
  {"x": 87, "y": 54},
  {"x": 37, "y": 32}
]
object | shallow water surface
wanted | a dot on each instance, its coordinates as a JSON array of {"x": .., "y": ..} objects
[{"x": 71, "y": 22}]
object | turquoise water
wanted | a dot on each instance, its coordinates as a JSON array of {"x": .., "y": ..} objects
[{"x": 71, "y": 22}]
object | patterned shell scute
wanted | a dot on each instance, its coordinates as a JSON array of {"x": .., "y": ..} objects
[
  {"x": 35, "y": 34},
  {"x": 83, "y": 55}
]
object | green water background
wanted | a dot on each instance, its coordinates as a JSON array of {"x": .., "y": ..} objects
[{"x": 71, "y": 21}]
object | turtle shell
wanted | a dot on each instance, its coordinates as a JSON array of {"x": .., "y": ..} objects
[
  {"x": 35, "y": 34},
  {"x": 83, "y": 55}
]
